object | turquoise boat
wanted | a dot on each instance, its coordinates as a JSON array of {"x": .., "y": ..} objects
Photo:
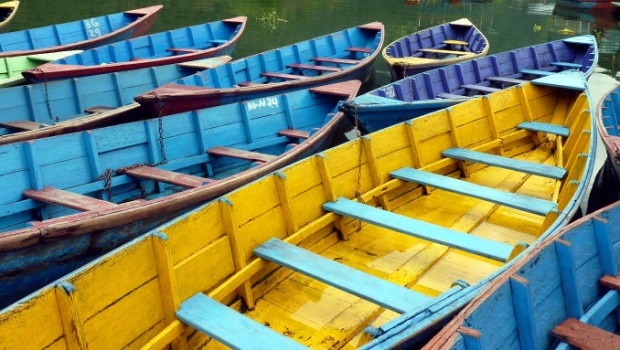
[
  {"x": 33, "y": 111},
  {"x": 563, "y": 294},
  {"x": 343, "y": 55},
  {"x": 79, "y": 35},
  {"x": 173, "y": 46}
]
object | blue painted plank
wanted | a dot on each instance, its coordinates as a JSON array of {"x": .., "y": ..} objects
[
  {"x": 361, "y": 284},
  {"x": 567, "y": 65},
  {"x": 545, "y": 127},
  {"x": 230, "y": 327},
  {"x": 416, "y": 228},
  {"x": 550, "y": 171},
  {"x": 568, "y": 277},
  {"x": 567, "y": 80},
  {"x": 524, "y": 312},
  {"x": 541, "y": 73},
  {"x": 602, "y": 308},
  {"x": 607, "y": 257},
  {"x": 526, "y": 203}
]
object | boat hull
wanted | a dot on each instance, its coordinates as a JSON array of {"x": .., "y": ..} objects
[
  {"x": 434, "y": 47},
  {"x": 138, "y": 23},
  {"x": 251, "y": 79},
  {"x": 8, "y": 10},
  {"x": 588, "y": 4},
  {"x": 438, "y": 88},
  {"x": 198, "y": 42}
]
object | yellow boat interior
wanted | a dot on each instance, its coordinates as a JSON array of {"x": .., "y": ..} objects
[{"x": 350, "y": 238}]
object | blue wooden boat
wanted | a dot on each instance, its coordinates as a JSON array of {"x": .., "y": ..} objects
[
  {"x": 563, "y": 294},
  {"x": 438, "y": 46},
  {"x": 79, "y": 35},
  {"x": 33, "y": 111},
  {"x": 442, "y": 87},
  {"x": 371, "y": 232},
  {"x": 343, "y": 55},
  {"x": 69, "y": 198},
  {"x": 173, "y": 46},
  {"x": 589, "y": 4}
]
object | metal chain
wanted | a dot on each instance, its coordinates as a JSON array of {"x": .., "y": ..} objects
[
  {"x": 358, "y": 194},
  {"x": 162, "y": 148},
  {"x": 47, "y": 94}
]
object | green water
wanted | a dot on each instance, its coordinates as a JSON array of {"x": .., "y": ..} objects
[{"x": 506, "y": 23}]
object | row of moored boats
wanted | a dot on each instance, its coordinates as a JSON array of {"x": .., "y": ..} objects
[{"x": 157, "y": 193}]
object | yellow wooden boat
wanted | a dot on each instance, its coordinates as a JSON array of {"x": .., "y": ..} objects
[
  {"x": 311, "y": 255},
  {"x": 7, "y": 12}
]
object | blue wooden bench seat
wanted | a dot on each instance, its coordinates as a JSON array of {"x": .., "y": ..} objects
[
  {"x": 567, "y": 65},
  {"x": 359, "y": 283},
  {"x": 506, "y": 80},
  {"x": 68, "y": 199},
  {"x": 449, "y": 96},
  {"x": 420, "y": 229},
  {"x": 481, "y": 88},
  {"x": 241, "y": 154},
  {"x": 542, "y": 73},
  {"x": 230, "y": 327},
  {"x": 550, "y": 171},
  {"x": 161, "y": 175},
  {"x": 526, "y": 203},
  {"x": 545, "y": 127}
]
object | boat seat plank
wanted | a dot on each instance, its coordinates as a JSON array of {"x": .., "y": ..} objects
[
  {"x": 584, "y": 336},
  {"x": 241, "y": 154},
  {"x": 359, "y": 283},
  {"x": 506, "y": 80},
  {"x": 359, "y": 49},
  {"x": 23, "y": 125},
  {"x": 543, "y": 73},
  {"x": 420, "y": 229},
  {"x": 448, "y": 96},
  {"x": 444, "y": 52},
  {"x": 550, "y": 171},
  {"x": 316, "y": 68},
  {"x": 98, "y": 109},
  {"x": 161, "y": 175},
  {"x": 481, "y": 88},
  {"x": 567, "y": 65},
  {"x": 545, "y": 127},
  {"x": 181, "y": 50},
  {"x": 68, "y": 199},
  {"x": 455, "y": 42},
  {"x": 513, "y": 200},
  {"x": 283, "y": 76},
  {"x": 230, "y": 327},
  {"x": 296, "y": 134},
  {"x": 612, "y": 282},
  {"x": 334, "y": 60}
]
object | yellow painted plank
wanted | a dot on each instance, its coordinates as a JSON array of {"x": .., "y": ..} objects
[
  {"x": 194, "y": 232},
  {"x": 265, "y": 189},
  {"x": 120, "y": 323},
  {"x": 259, "y": 230},
  {"x": 111, "y": 279},
  {"x": 39, "y": 313}
]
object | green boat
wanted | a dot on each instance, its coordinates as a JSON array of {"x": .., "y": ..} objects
[{"x": 11, "y": 67}]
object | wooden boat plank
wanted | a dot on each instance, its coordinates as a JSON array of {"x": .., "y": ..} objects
[
  {"x": 584, "y": 336},
  {"x": 526, "y": 203},
  {"x": 420, "y": 229},
  {"x": 546, "y": 128},
  {"x": 241, "y": 154},
  {"x": 157, "y": 174},
  {"x": 567, "y": 65},
  {"x": 335, "y": 60},
  {"x": 283, "y": 76},
  {"x": 316, "y": 68},
  {"x": 25, "y": 125},
  {"x": 369, "y": 287},
  {"x": 536, "y": 72},
  {"x": 68, "y": 199},
  {"x": 452, "y": 96},
  {"x": 98, "y": 109},
  {"x": 464, "y": 154},
  {"x": 506, "y": 80},
  {"x": 566, "y": 80},
  {"x": 481, "y": 88},
  {"x": 230, "y": 327},
  {"x": 455, "y": 42},
  {"x": 181, "y": 50},
  {"x": 293, "y": 133},
  {"x": 612, "y": 282},
  {"x": 445, "y": 52},
  {"x": 359, "y": 49}
]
